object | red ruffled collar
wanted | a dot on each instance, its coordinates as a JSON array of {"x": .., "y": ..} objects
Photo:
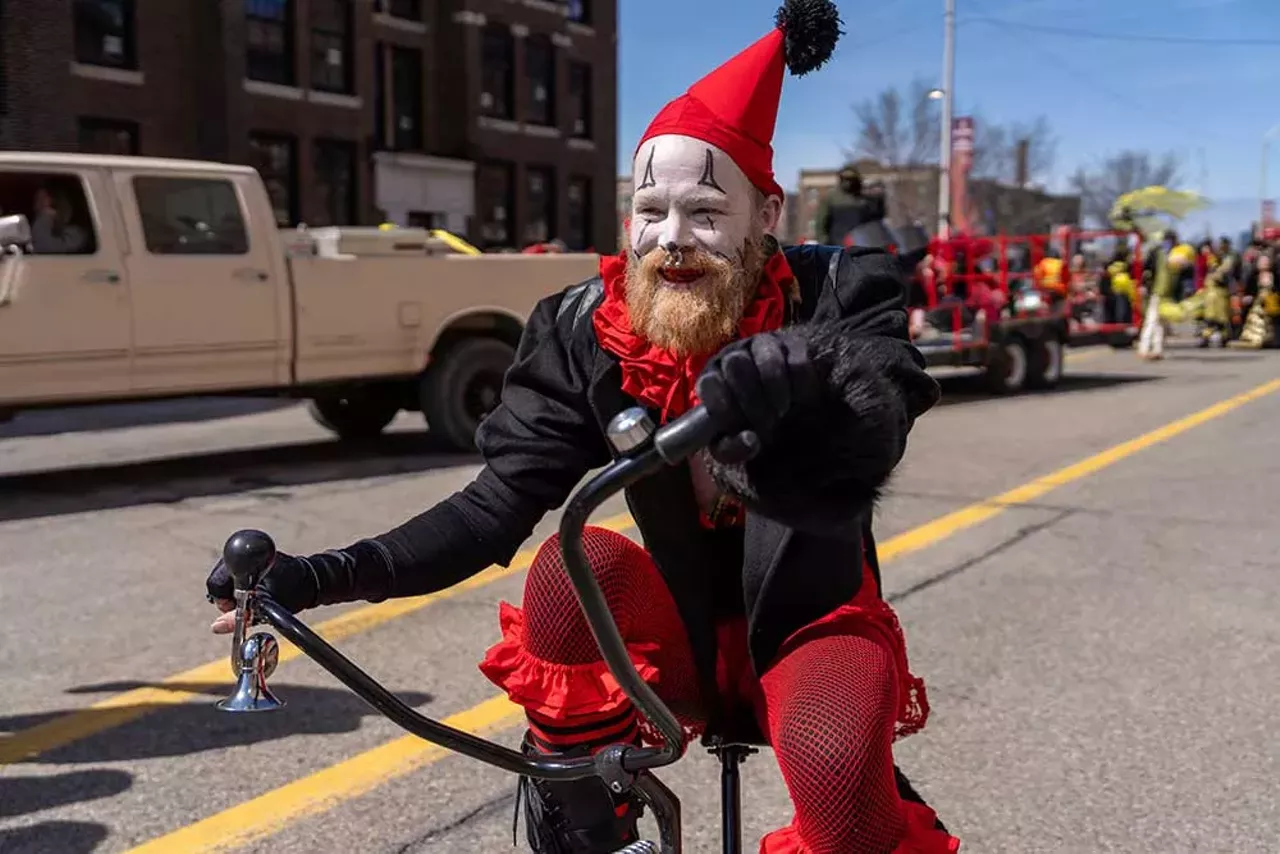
[{"x": 655, "y": 377}]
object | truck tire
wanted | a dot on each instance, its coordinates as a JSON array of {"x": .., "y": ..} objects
[
  {"x": 1007, "y": 366},
  {"x": 1044, "y": 368},
  {"x": 464, "y": 387},
  {"x": 355, "y": 415}
]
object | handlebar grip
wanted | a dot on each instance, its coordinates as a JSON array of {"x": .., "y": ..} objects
[
  {"x": 685, "y": 436},
  {"x": 248, "y": 555}
]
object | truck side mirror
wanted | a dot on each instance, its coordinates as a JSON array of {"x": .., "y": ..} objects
[{"x": 14, "y": 231}]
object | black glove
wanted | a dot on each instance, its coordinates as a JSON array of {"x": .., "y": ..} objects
[
  {"x": 361, "y": 571},
  {"x": 750, "y": 385}
]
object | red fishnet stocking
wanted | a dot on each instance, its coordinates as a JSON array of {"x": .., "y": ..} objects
[
  {"x": 830, "y": 704},
  {"x": 556, "y": 630}
]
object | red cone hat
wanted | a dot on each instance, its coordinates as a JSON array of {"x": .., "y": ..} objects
[{"x": 735, "y": 107}]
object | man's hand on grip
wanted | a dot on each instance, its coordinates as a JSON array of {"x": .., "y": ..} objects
[
  {"x": 750, "y": 385},
  {"x": 291, "y": 581}
]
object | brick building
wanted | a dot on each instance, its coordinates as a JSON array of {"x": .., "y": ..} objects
[{"x": 493, "y": 118}]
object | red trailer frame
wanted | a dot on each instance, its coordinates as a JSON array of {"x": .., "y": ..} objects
[{"x": 1066, "y": 241}]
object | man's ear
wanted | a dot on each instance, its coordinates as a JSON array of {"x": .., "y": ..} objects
[{"x": 771, "y": 213}]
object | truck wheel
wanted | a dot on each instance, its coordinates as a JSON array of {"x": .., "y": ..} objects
[
  {"x": 354, "y": 416},
  {"x": 1006, "y": 371},
  {"x": 460, "y": 391},
  {"x": 1044, "y": 368}
]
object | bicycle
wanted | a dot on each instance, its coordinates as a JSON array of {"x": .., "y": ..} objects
[{"x": 642, "y": 450}]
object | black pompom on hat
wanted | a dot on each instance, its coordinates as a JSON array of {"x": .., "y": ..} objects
[{"x": 812, "y": 28}]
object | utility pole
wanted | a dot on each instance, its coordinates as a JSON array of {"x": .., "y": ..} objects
[{"x": 948, "y": 107}]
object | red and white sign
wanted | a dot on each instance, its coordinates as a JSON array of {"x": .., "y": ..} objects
[
  {"x": 961, "y": 163},
  {"x": 962, "y": 135}
]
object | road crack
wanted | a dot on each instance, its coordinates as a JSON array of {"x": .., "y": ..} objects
[
  {"x": 490, "y": 807},
  {"x": 1021, "y": 535}
]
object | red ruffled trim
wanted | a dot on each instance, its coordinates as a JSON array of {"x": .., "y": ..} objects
[
  {"x": 556, "y": 691},
  {"x": 868, "y": 610},
  {"x": 654, "y": 376},
  {"x": 922, "y": 836}
]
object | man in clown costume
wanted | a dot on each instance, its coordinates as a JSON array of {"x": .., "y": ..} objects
[{"x": 756, "y": 592}]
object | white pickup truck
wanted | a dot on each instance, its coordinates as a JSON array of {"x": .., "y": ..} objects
[{"x": 129, "y": 278}]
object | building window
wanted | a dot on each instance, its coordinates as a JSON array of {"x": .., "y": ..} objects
[
  {"x": 540, "y": 76},
  {"x": 190, "y": 216},
  {"x": 276, "y": 159},
  {"x": 580, "y": 96},
  {"x": 104, "y": 33},
  {"x": 335, "y": 178},
  {"x": 410, "y": 10},
  {"x": 540, "y": 204},
  {"x": 107, "y": 136},
  {"x": 496, "y": 192},
  {"x": 331, "y": 46},
  {"x": 269, "y": 41},
  {"x": 580, "y": 11},
  {"x": 406, "y": 72},
  {"x": 579, "y": 237},
  {"x": 497, "y": 76}
]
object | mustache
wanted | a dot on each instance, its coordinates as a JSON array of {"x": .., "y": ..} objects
[{"x": 692, "y": 259}]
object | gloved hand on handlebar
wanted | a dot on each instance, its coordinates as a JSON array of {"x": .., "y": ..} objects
[
  {"x": 299, "y": 583},
  {"x": 750, "y": 385}
]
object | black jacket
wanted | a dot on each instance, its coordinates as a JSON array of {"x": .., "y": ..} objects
[{"x": 810, "y": 492}]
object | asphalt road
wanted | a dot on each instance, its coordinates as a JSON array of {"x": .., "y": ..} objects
[{"x": 1100, "y": 648}]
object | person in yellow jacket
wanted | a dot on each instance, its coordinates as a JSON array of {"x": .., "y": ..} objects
[
  {"x": 1170, "y": 264},
  {"x": 1215, "y": 326},
  {"x": 1119, "y": 291}
]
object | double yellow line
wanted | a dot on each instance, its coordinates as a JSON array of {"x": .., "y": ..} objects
[{"x": 271, "y": 812}]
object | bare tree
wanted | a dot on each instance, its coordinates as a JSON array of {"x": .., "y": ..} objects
[
  {"x": 899, "y": 129},
  {"x": 995, "y": 150},
  {"x": 1117, "y": 174}
]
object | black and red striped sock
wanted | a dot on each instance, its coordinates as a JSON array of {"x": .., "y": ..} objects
[{"x": 592, "y": 733}]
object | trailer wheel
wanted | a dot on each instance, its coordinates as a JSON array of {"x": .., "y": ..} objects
[
  {"x": 464, "y": 387},
  {"x": 1044, "y": 369},
  {"x": 355, "y": 415},
  {"x": 1007, "y": 368}
]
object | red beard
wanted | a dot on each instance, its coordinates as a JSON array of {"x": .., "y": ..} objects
[{"x": 698, "y": 319}]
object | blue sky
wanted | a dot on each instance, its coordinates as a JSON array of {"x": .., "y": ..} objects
[{"x": 1212, "y": 103}]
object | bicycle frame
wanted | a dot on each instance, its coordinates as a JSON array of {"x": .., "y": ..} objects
[{"x": 642, "y": 451}]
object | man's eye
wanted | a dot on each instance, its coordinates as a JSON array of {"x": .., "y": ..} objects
[
  {"x": 707, "y": 212},
  {"x": 651, "y": 213}
]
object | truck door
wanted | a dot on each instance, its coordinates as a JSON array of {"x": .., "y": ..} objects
[
  {"x": 64, "y": 304},
  {"x": 204, "y": 285}
]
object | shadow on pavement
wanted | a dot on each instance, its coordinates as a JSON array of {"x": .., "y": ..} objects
[
  {"x": 64, "y": 837},
  {"x": 83, "y": 419},
  {"x": 22, "y": 795},
  {"x": 196, "y": 727},
  {"x": 968, "y": 388},
  {"x": 76, "y": 490}
]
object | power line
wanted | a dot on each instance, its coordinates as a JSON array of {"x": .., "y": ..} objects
[{"x": 1129, "y": 39}]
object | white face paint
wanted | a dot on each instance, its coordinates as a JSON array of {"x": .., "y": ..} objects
[{"x": 692, "y": 194}]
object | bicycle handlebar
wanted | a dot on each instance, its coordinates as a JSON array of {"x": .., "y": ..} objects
[
  {"x": 642, "y": 450},
  {"x": 630, "y": 432}
]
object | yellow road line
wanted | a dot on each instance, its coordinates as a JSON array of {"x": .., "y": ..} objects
[
  {"x": 267, "y": 814},
  {"x": 325, "y": 789},
  {"x": 966, "y": 517},
  {"x": 182, "y": 687}
]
